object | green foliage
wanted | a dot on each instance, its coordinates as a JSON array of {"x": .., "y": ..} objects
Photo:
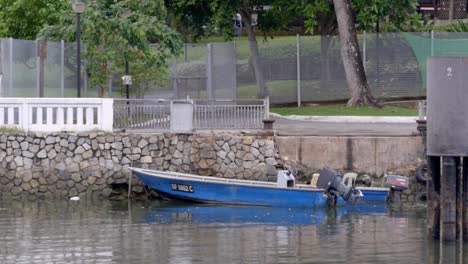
[
  {"x": 116, "y": 31},
  {"x": 23, "y": 19},
  {"x": 201, "y": 17},
  {"x": 460, "y": 26},
  {"x": 393, "y": 15}
]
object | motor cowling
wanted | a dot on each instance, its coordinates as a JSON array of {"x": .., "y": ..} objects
[{"x": 331, "y": 181}]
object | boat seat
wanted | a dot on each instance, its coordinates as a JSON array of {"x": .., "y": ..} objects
[{"x": 349, "y": 179}]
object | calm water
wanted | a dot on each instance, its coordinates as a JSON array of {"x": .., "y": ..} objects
[{"x": 164, "y": 232}]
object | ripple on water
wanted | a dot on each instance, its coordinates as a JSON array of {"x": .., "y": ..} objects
[{"x": 110, "y": 232}]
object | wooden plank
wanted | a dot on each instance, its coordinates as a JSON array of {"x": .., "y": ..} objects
[
  {"x": 465, "y": 198},
  {"x": 448, "y": 200},
  {"x": 433, "y": 197}
]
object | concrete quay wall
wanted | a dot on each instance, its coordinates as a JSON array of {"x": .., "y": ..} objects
[{"x": 370, "y": 155}]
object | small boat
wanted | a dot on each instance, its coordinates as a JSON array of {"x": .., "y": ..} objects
[{"x": 283, "y": 193}]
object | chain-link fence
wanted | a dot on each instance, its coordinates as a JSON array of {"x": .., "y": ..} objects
[
  {"x": 38, "y": 69},
  {"x": 296, "y": 69}
]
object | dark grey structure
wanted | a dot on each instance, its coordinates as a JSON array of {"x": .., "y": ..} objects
[{"x": 447, "y": 147}]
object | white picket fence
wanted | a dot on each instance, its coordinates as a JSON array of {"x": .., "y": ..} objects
[{"x": 57, "y": 114}]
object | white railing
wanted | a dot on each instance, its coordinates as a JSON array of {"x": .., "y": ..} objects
[
  {"x": 56, "y": 114},
  {"x": 230, "y": 114},
  {"x": 207, "y": 114},
  {"x": 141, "y": 114}
]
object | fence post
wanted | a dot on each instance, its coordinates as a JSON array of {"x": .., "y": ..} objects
[
  {"x": 298, "y": 55},
  {"x": 109, "y": 92},
  {"x": 364, "y": 53},
  {"x": 24, "y": 116},
  {"x": 266, "y": 104},
  {"x": 2, "y": 57},
  {"x": 174, "y": 77},
  {"x": 62, "y": 68},
  {"x": 10, "y": 78},
  {"x": 38, "y": 70},
  {"x": 107, "y": 114},
  {"x": 85, "y": 79},
  {"x": 234, "y": 50},
  {"x": 209, "y": 70},
  {"x": 432, "y": 42}
]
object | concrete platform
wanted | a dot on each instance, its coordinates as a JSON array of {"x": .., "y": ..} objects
[{"x": 345, "y": 126}]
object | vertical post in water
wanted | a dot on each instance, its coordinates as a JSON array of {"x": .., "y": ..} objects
[
  {"x": 298, "y": 53},
  {"x": 433, "y": 196},
  {"x": 209, "y": 70},
  {"x": 62, "y": 68},
  {"x": 465, "y": 198},
  {"x": 448, "y": 214},
  {"x": 459, "y": 199}
]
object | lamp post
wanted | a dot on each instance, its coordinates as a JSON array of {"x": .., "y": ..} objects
[{"x": 78, "y": 9}]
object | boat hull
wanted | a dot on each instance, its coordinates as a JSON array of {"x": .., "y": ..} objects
[{"x": 197, "y": 190}]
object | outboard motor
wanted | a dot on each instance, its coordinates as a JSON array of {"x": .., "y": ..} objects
[
  {"x": 397, "y": 185},
  {"x": 330, "y": 180}
]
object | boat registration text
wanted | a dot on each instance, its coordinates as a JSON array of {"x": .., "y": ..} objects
[{"x": 182, "y": 187}]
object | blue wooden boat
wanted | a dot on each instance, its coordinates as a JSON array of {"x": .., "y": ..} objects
[{"x": 283, "y": 193}]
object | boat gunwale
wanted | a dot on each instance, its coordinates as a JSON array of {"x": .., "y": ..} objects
[{"x": 238, "y": 182}]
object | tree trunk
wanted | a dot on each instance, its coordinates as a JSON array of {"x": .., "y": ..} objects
[
  {"x": 351, "y": 57},
  {"x": 246, "y": 15}
]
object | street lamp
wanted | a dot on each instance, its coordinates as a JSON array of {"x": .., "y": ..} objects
[{"x": 78, "y": 9}]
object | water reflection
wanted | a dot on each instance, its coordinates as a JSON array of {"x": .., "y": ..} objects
[{"x": 162, "y": 232}]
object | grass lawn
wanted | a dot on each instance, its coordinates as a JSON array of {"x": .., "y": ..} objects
[{"x": 342, "y": 110}]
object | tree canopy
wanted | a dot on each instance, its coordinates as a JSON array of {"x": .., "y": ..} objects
[
  {"x": 23, "y": 19},
  {"x": 118, "y": 31}
]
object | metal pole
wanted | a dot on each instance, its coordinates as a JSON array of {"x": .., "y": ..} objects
[
  {"x": 234, "y": 50},
  {"x": 2, "y": 57},
  {"x": 432, "y": 42},
  {"x": 209, "y": 71},
  {"x": 185, "y": 53},
  {"x": 298, "y": 61},
  {"x": 110, "y": 83},
  {"x": 38, "y": 69},
  {"x": 10, "y": 77},
  {"x": 175, "y": 87},
  {"x": 62, "y": 69},
  {"x": 78, "y": 53},
  {"x": 127, "y": 72},
  {"x": 364, "y": 53},
  {"x": 85, "y": 80}
]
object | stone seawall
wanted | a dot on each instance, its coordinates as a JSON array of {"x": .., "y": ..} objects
[{"x": 88, "y": 164}]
